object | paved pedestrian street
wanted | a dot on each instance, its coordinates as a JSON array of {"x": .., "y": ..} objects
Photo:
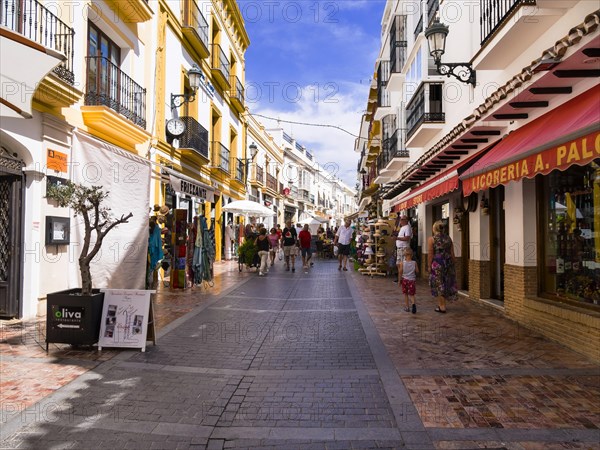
[{"x": 317, "y": 360}]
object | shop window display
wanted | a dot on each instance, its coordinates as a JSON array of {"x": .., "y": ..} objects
[{"x": 572, "y": 234}]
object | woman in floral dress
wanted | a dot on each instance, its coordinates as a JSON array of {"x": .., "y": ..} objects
[{"x": 442, "y": 273}]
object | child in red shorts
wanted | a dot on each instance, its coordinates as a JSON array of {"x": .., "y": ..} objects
[{"x": 407, "y": 277}]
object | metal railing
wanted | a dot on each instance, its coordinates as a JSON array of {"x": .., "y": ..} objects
[
  {"x": 287, "y": 137},
  {"x": 398, "y": 44},
  {"x": 239, "y": 170},
  {"x": 221, "y": 156},
  {"x": 193, "y": 18},
  {"x": 416, "y": 111},
  {"x": 433, "y": 7},
  {"x": 220, "y": 61},
  {"x": 194, "y": 137},
  {"x": 419, "y": 28},
  {"x": 495, "y": 12},
  {"x": 271, "y": 182},
  {"x": 108, "y": 85},
  {"x": 259, "y": 174},
  {"x": 393, "y": 147},
  {"x": 32, "y": 20},
  {"x": 237, "y": 89},
  {"x": 383, "y": 76}
]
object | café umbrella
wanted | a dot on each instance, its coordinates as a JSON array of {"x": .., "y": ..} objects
[{"x": 248, "y": 207}]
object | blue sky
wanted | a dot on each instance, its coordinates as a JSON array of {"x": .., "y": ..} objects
[{"x": 311, "y": 61}]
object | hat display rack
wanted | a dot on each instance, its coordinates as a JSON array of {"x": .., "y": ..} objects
[{"x": 375, "y": 236}]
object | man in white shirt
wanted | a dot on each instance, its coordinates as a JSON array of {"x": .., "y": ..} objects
[
  {"x": 343, "y": 237},
  {"x": 403, "y": 239}
]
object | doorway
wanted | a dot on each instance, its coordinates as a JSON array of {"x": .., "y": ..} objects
[
  {"x": 497, "y": 243},
  {"x": 11, "y": 186}
]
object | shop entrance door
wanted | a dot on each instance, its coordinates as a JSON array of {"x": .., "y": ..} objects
[
  {"x": 497, "y": 240},
  {"x": 10, "y": 244}
]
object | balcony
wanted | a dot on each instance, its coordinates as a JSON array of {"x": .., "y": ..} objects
[
  {"x": 272, "y": 183},
  {"x": 220, "y": 157},
  {"x": 194, "y": 140},
  {"x": 236, "y": 94},
  {"x": 220, "y": 67},
  {"x": 258, "y": 176},
  {"x": 507, "y": 26},
  {"x": 383, "y": 96},
  {"x": 424, "y": 115},
  {"x": 40, "y": 42},
  {"x": 132, "y": 11},
  {"x": 239, "y": 170},
  {"x": 195, "y": 28},
  {"x": 398, "y": 46},
  {"x": 393, "y": 158},
  {"x": 114, "y": 102}
]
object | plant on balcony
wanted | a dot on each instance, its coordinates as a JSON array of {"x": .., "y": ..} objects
[{"x": 87, "y": 202}]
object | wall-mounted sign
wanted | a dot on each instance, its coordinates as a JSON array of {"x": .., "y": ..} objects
[
  {"x": 192, "y": 188},
  {"x": 57, "y": 161}
]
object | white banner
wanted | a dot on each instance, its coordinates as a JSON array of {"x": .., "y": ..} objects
[
  {"x": 121, "y": 262},
  {"x": 192, "y": 188},
  {"x": 124, "y": 318}
]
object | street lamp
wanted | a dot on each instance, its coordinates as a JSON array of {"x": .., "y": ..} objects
[
  {"x": 436, "y": 39},
  {"x": 253, "y": 152},
  {"x": 195, "y": 76}
]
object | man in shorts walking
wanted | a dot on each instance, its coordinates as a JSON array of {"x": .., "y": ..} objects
[
  {"x": 290, "y": 245},
  {"x": 343, "y": 237}
]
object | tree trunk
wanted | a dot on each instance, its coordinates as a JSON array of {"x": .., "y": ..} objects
[{"x": 86, "y": 276}]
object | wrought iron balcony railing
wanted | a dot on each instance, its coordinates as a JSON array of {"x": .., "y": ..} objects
[
  {"x": 433, "y": 7},
  {"x": 259, "y": 174},
  {"x": 495, "y": 12},
  {"x": 239, "y": 170},
  {"x": 398, "y": 44},
  {"x": 220, "y": 61},
  {"x": 419, "y": 111},
  {"x": 193, "y": 18},
  {"x": 271, "y": 182},
  {"x": 108, "y": 85},
  {"x": 32, "y": 20},
  {"x": 221, "y": 156},
  {"x": 194, "y": 137},
  {"x": 237, "y": 89}
]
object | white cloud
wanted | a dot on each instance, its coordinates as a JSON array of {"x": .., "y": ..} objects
[{"x": 333, "y": 148}]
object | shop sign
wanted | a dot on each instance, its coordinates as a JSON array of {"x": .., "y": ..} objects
[
  {"x": 197, "y": 190},
  {"x": 579, "y": 151},
  {"x": 67, "y": 316},
  {"x": 57, "y": 161}
]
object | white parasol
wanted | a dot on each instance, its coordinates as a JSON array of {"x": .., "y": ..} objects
[{"x": 248, "y": 207}]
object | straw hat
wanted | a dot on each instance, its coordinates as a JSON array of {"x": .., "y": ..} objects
[{"x": 164, "y": 210}]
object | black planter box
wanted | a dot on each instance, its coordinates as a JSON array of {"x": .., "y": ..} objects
[{"x": 72, "y": 318}]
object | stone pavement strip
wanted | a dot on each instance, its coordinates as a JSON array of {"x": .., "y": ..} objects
[{"x": 318, "y": 360}]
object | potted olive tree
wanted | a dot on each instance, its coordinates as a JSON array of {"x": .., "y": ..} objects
[{"x": 73, "y": 316}]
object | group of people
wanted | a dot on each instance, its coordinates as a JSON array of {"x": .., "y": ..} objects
[
  {"x": 440, "y": 266},
  {"x": 293, "y": 240},
  {"x": 290, "y": 240}
]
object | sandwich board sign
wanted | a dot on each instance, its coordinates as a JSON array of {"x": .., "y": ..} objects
[{"x": 126, "y": 318}]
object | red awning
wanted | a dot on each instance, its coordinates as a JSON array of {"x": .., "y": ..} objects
[
  {"x": 570, "y": 134},
  {"x": 440, "y": 185}
]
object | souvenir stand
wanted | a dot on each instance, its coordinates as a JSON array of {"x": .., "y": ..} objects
[{"x": 374, "y": 248}]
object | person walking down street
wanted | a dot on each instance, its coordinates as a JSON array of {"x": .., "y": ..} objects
[
  {"x": 402, "y": 241},
  {"x": 343, "y": 236},
  {"x": 441, "y": 264},
  {"x": 290, "y": 248},
  {"x": 305, "y": 241},
  {"x": 407, "y": 274},
  {"x": 274, "y": 241},
  {"x": 263, "y": 245}
]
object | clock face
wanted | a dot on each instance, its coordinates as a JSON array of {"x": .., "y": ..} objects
[{"x": 175, "y": 127}]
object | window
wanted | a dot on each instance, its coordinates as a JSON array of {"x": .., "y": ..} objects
[
  {"x": 103, "y": 55},
  {"x": 570, "y": 225}
]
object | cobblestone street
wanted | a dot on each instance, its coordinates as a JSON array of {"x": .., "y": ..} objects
[{"x": 317, "y": 360}]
